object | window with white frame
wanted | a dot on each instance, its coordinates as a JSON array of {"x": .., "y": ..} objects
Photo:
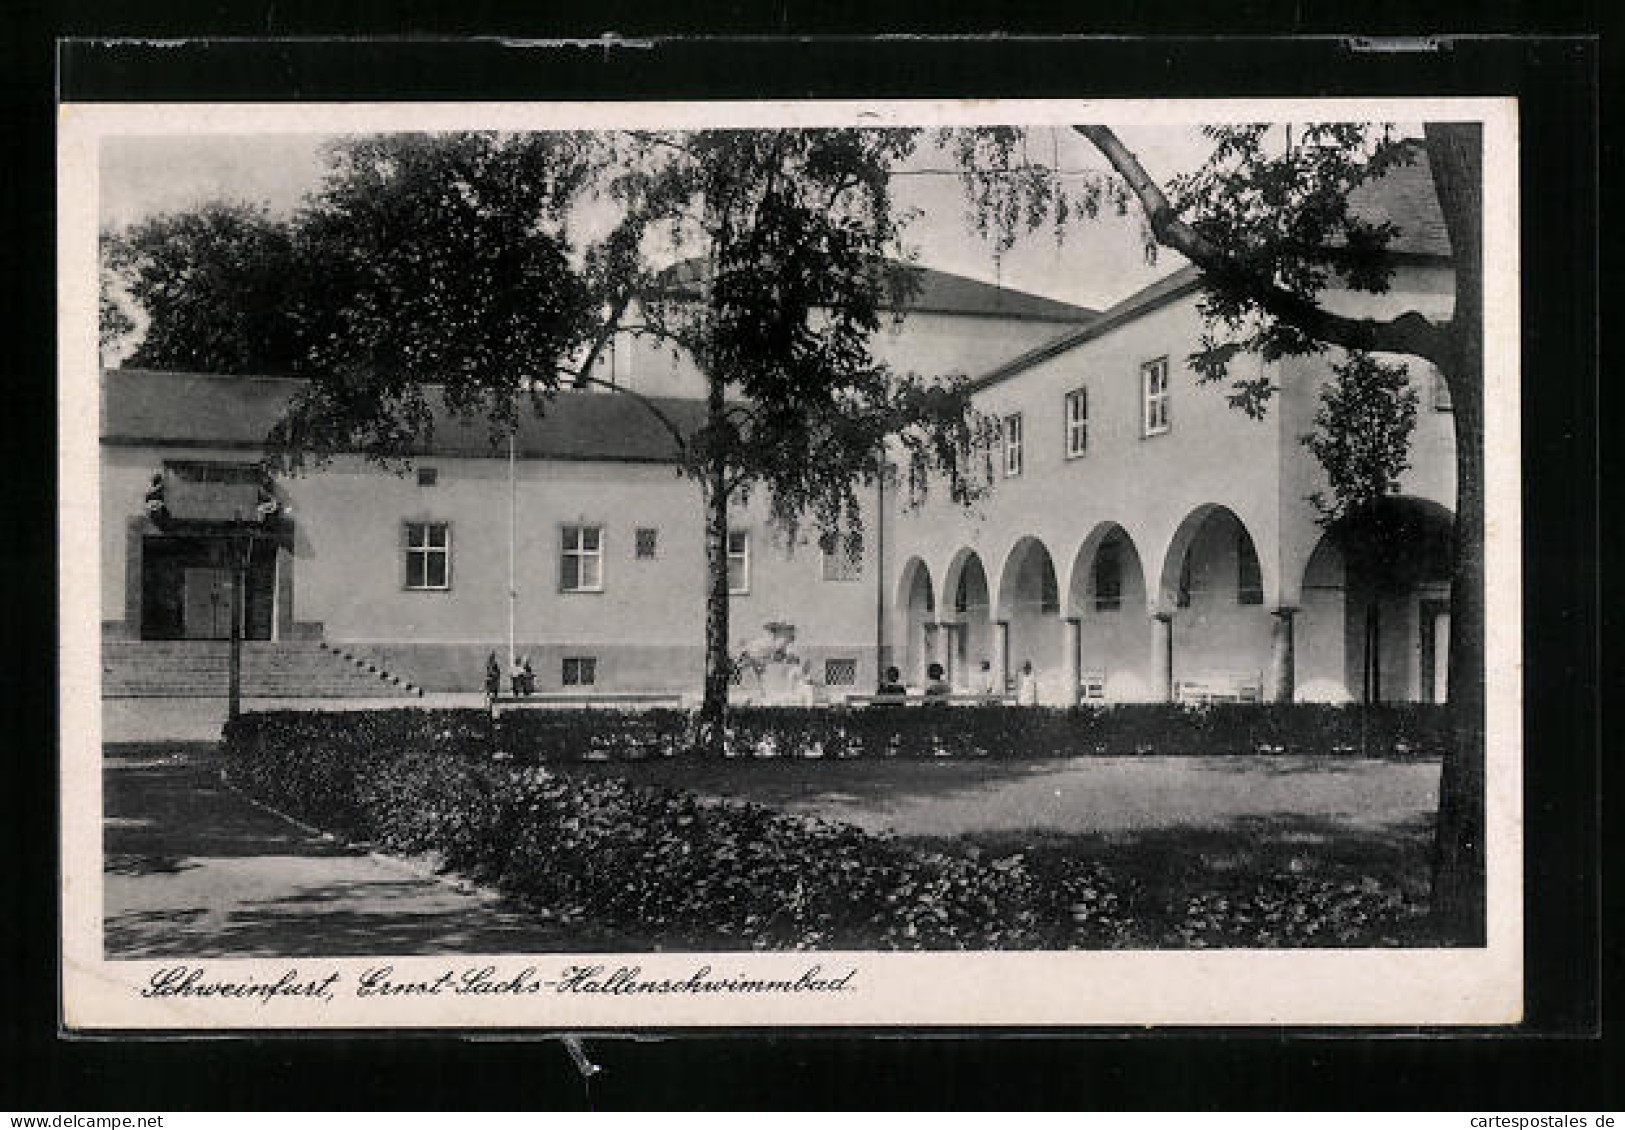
[
  {"x": 843, "y": 562},
  {"x": 428, "y": 556},
  {"x": 1154, "y": 385},
  {"x": 738, "y": 561},
  {"x": 1077, "y": 422},
  {"x": 581, "y": 559},
  {"x": 1012, "y": 445},
  {"x": 580, "y": 671}
]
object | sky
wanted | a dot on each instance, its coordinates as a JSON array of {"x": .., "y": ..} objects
[{"x": 1100, "y": 262}]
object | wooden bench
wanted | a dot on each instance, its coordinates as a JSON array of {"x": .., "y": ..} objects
[
  {"x": 1210, "y": 692},
  {"x": 955, "y": 699}
]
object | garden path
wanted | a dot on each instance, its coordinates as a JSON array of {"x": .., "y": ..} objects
[{"x": 193, "y": 869}]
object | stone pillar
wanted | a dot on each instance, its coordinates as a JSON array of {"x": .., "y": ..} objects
[
  {"x": 931, "y": 643},
  {"x": 1162, "y": 657},
  {"x": 1001, "y": 656},
  {"x": 1071, "y": 660},
  {"x": 1283, "y": 674},
  {"x": 950, "y": 652},
  {"x": 940, "y": 644}
]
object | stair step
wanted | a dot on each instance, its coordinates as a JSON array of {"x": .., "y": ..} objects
[{"x": 201, "y": 668}]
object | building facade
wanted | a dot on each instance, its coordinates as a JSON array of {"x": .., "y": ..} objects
[{"x": 1142, "y": 541}]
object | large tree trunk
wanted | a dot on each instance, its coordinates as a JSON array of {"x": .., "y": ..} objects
[
  {"x": 713, "y": 718},
  {"x": 1455, "y": 153}
]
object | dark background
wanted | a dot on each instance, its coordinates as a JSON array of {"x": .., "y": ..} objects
[{"x": 1554, "y": 1061}]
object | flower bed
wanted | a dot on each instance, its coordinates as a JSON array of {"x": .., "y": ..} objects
[{"x": 700, "y": 873}]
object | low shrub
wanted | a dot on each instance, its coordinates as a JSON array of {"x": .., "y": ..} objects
[
  {"x": 542, "y": 736},
  {"x": 696, "y": 872},
  {"x": 986, "y": 731}
]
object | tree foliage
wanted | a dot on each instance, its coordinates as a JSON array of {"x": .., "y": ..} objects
[
  {"x": 795, "y": 259},
  {"x": 1279, "y": 202},
  {"x": 1362, "y": 435},
  {"x": 214, "y": 284},
  {"x": 434, "y": 271}
]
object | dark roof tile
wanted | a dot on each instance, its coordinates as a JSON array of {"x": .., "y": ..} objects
[{"x": 203, "y": 410}]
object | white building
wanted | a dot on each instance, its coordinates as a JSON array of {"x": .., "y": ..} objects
[{"x": 1143, "y": 541}]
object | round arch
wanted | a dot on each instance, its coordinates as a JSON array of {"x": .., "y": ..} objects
[
  {"x": 966, "y": 604},
  {"x": 915, "y": 582},
  {"x": 1027, "y": 576},
  {"x": 1079, "y": 596},
  {"x": 1165, "y": 597},
  {"x": 1373, "y": 619},
  {"x": 1029, "y": 608},
  {"x": 916, "y": 607}
]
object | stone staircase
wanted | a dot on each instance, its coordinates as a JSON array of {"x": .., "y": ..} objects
[{"x": 200, "y": 669}]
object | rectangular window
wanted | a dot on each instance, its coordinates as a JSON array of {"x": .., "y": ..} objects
[
  {"x": 428, "y": 476},
  {"x": 580, "y": 670},
  {"x": 840, "y": 672},
  {"x": 646, "y": 542},
  {"x": 428, "y": 555},
  {"x": 581, "y": 559},
  {"x": 1154, "y": 384},
  {"x": 1108, "y": 578},
  {"x": 738, "y": 561},
  {"x": 1077, "y": 422},
  {"x": 1012, "y": 445},
  {"x": 843, "y": 563}
]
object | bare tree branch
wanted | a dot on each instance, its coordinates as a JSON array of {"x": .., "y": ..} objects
[
  {"x": 1409, "y": 333},
  {"x": 651, "y": 406}
]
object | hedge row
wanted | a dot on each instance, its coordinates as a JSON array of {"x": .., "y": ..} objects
[
  {"x": 668, "y": 865},
  {"x": 539, "y": 736},
  {"x": 624, "y": 861}
]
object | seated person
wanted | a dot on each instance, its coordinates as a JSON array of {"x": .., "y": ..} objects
[
  {"x": 935, "y": 684},
  {"x": 892, "y": 684}
]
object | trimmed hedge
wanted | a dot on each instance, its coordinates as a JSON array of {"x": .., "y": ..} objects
[
  {"x": 668, "y": 866},
  {"x": 540, "y": 736},
  {"x": 665, "y": 864}
]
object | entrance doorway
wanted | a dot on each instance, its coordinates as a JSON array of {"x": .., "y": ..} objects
[{"x": 186, "y": 589}]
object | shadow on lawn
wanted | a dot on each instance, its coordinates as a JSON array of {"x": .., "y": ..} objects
[
  {"x": 159, "y": 814},
  {"x": 779, "y": 781}
]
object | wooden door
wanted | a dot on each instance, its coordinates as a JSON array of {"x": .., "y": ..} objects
[{"x": 208, "y": 603}]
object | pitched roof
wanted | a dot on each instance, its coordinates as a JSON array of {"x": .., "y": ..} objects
[
  {"x": 1405, "y": 196},
  {"x": 1159, "y": 293},
  {"x": 940, "y": 292},
  {"x": 205, "y": 410}
]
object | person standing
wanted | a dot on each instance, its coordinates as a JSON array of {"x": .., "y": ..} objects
[
  {"x": 493, "y": 677},
  {"x": 1027, "y": 685}
]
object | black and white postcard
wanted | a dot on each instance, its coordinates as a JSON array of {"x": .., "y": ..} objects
[{"x": 803, "y": 564}]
